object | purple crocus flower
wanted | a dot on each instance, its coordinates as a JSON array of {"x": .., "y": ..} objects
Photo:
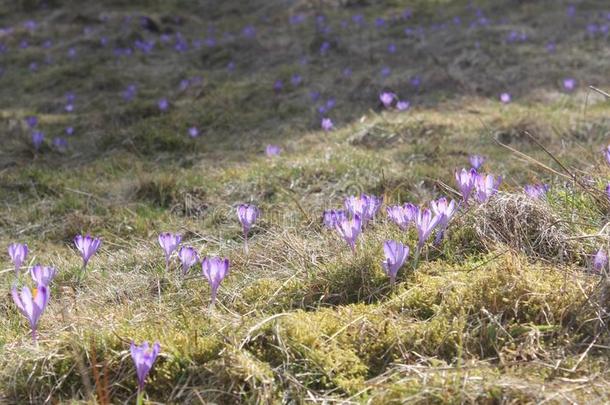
[
  {"x": 391, "y": 48},
  {"x": 169, "y": 242},
  {"x": 402, "y": 105},
  {"x": 130, "y": 92},
  {"x": 608, "y": 190},
  {"x": 37, "y": 139},
  {"x": 143, "y": 357},
  {"x": 387, "y": 98},
  {"x": 505, "y": 98},
  {"x": 184, "y": 84},
  {"x": 350, "y": 229},
  {"x": 69, "y": 131},
  {"x": 324, "y": 48},
  {"x": 247, "y": 215},
  {"x": 296, "y": 80},
  {"x": 592, "y": 29},
  {"x": 60, "y": 143},
  {"x": 193, "y": 132},
  {"x": 272, "y": 150},
  {"x": 214, "y": 269},
  {"x": 536, "y": 191},
  {"x": 425, "y": 224},
  {"x": 327, "y": 124},
  {"x": 415, "y": 81},
  {"x": 373, "y": 205},
  {"x": 403, "y": 215},
  {"x": 365, "y": 206},
  {"x": 278, "y": 86},
  {"x": 445, "y": 211},
  {"x": 395, "y": 256},
  {"x": 569, "y": 84},
  {"x": 358, "y": 19},
  {"x": 332, "y": 217},
  {"x": 486, "y": 186},
  {"x": 31, "y": 304},
  {"x": 163, "y": 104},
  {"x": 465, "y": 181},
  {"x": 31, "y": 120},
  {"x": 600, "y": 260},
  {"x": 476, "y": 161},
  {"x": 249, "y": 31},
  {"x": 18, "y": 253},
  {"x": 188, "y": 257},
  {"x": 87, "y": 246},
  {"x": 314, "y": 95},
  {"x": 385, "y": 71},
  {"x": 30, "y": 25},
  {"x": 42, "y": 275}
]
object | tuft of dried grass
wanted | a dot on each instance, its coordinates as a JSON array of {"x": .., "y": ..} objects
[{"x": 527, "y": 225}]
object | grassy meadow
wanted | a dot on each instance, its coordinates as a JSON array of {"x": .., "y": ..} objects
[{"x": 507, "y": 309}]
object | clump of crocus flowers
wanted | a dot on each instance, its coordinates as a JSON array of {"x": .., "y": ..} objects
[
  {"x": 332, "y": 217},
  {"x": 402, "y": 215},
  {"x": 465, "y": 180},
  {"x": 365, "y": 206},
  {"x": 359, "y": 210},
  {"x": 486, "y": 186},
  {"x": 483, "y": 185}
]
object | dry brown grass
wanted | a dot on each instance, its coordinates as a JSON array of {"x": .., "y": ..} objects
[{"x": 529, "y": 226}]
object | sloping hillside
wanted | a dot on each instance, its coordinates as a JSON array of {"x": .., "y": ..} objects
[{"x": 124, "y": 120}]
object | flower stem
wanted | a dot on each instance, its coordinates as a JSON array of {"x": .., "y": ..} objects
[
  {"x": 140, "y": 397},
  {"x": 81, "y": 273},
  {"x": 416, "y": 258}
]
